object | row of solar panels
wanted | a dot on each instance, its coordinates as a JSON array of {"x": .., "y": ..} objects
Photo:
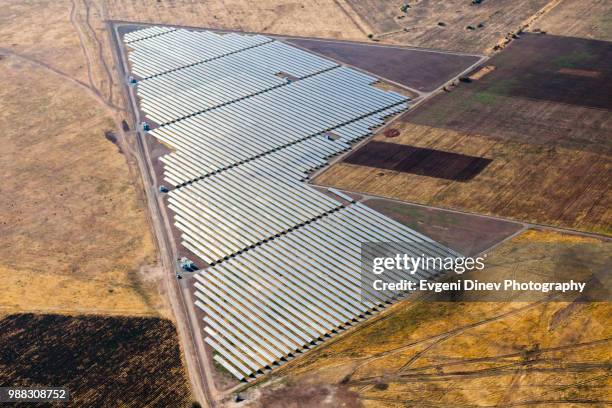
[
  {"x": 276, "y": 300},
  {"x": 238, "y": 208},
  {"x": 146, "y": 33},
  {"x": 185, "y": 92},
  {"x": 285, "y": 256},
  {"x": 236, "y": 132},
  {"x": 193, "y": 160},
  {"x": 180, "y": 48}
]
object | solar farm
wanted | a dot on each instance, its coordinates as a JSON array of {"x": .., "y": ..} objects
[{"x": 247, "y": 119}]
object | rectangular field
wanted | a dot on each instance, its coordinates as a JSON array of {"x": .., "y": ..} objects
[
  {"x": 417, "y": 160},
  {"x": 526, "y": 182},
  {"x": 102, "y": 361}
]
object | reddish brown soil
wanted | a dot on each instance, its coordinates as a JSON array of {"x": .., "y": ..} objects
[
  {"x": 418, "y": 69},
  {"x": 416, "y": 160}
]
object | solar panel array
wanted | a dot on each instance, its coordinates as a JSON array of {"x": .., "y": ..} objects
[{"x": 247, "y": 119}]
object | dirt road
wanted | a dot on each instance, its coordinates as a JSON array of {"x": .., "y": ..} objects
[{"x": 198, "y": 364}]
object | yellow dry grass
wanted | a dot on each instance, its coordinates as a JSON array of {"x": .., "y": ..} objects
[
  {"x": 318, "y": 18},
  {"x": 524, "y": 182},
  {"x": 346, "y": 19},
  {"x": 575, "y": 18},
  {"x": 482, "y": 72},
  {"x": 478, "y": 353},
  {"x": 73, "y": 231}
]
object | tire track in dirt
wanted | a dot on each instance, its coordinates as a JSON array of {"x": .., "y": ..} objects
[
  {"x": 341, "y": 4},
  {"x": 512, "y": 355},
  {"x": 100, "y": 47},
  {"x": 73, "y": 21},
  {"x": 62, "y": 74},
  {"x": 445, "y": 335},
  {"x": 556, "y": 366},
  {"x": 88, "y": 57}
]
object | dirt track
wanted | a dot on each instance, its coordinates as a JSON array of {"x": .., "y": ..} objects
[{"x": 197, "y": 362}]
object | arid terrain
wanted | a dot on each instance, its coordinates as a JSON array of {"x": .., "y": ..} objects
[
  {"x": 74, "y": 232},
  {"x": 575, "y": 18},
  {"x": 75, "y": 242},
  {"x": 450, "y": 25}
]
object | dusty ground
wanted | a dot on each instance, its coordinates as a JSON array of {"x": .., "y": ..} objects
[
  {"x": 74, "y": 232},
  {"x": 347, "y": 19},
  {"x": 443, "y": 24},
  {"x": 102, "y": 361},
  {"x": 576, "y": 18},
  {"x": 474, "y": 353},
  {"x": 319, "y": 18}
]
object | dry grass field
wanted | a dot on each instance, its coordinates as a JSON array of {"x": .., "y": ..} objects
[
  {"x": 347, "y": 19},
  {"x": 102, "y": 361},
  {"x": 444, "y": 24},
  {"x": 318, "y": 18},
  {"x": 74, "y": 236},
  {"x": 576, "y": 18},
  {"x": 442, "y": 354}
]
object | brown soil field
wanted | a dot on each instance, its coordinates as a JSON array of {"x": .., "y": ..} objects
[
  {"x": 543, "y": 105},
  {"x": 466, "y": 233},
  {"x": 473, "y": 354},
  {"x": 73, "y": 233},
  {"x": 417, "y": 160},
  {"x": 566, "y": 70},
  {"x": 418, "y": 69},
  {"x": 575, "y": 18},
  {"x": 491, "y": 21},
  {"x": 102, "y": 361}
]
